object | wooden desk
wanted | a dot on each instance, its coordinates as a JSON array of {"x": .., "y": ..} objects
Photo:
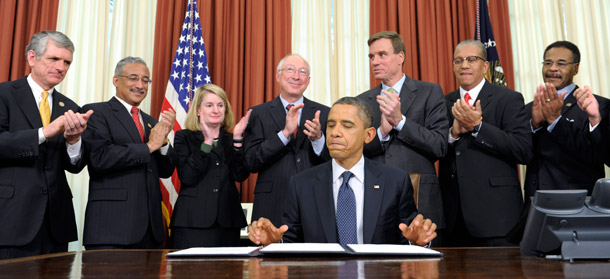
[{"x": 456, "y": 263}]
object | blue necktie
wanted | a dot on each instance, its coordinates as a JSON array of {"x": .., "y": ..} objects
[{"x": 346, "y": 212}]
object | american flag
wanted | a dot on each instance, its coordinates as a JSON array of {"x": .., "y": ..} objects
[
  {"x": 484, "y": 33},
  {"x": 189, "y": 71}
]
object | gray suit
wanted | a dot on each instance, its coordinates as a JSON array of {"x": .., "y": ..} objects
[{"x": 421, "y": 142}]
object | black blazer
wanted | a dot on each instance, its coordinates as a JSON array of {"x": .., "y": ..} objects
[
  {"x": 567, "y": 158},
  {"x": 421, "y": 142},
  {"x": 32, "y": 176},
  {"x": 275, "y": 163},
  {"x": 207, "y": 192},
  {"x": 480, "y": 174},
  {"x": 310, "y": 208},
  {"x": 124, "y": 189}
]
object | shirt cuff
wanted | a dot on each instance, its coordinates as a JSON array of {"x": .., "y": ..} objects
[
  {"x": 427, "y": 245},
  {"x": 550, "y": 127},
  {"x": 284, "y": 139},
  {"x": 206, "y": 148},
  {"x": 384, "y": 139},
  {"x": 592, "y": 128},
  {"x": 400, "y": 124},
  {"x": 318, "y": 145},
  {"x": 451, "y": 139},
  {"x": 532, "y": 127},
  {"x": 74, "y": 151},
  {"x": 41, "y": 137},
  {"x": 163, "y": 150}
]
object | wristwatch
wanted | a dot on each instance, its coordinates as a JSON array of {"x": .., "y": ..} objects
[{"x": 476, "y": 128}]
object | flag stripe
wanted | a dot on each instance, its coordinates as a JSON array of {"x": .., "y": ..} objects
[{"x": 189, "y": 71}]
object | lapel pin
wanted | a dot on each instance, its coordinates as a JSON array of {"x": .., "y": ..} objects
[
  {"x": 149, "y": 125},
  {"x": 61, "y": 104},
  {"x": 376, "y": 187},
  {"x": 568, "y": 104}
]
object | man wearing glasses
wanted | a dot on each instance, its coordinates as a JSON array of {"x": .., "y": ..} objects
[
  {"x": 411, "y": 121},
  {"x": 285, "y": 136},
  {"x": 565, "y": 121},
  {"x": 489, "y": 136},
  {"x": 127, "y": 152}
]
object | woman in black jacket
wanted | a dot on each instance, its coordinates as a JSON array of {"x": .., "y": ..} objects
[{"x": 210, "y": 159}]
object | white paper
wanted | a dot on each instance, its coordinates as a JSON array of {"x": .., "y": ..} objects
[
  {"x": 303, "y": 248},
  {"x": 392, "y": 249},
  {"x": 214, "y": 251}
]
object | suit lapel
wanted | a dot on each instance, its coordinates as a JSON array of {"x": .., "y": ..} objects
[
  {"x": 149, "y": 122},
  {"x": 569, "y": 102},
  {"x": 323, "y": 196},
  {"x": 278, "y": 113},
  {"x": 373, "y": 196},
  {"x": 408, "y": 93},
  {"x": 125, "y": 119},
  {"x": 308, "y": 113},
  {"x": 25, "y": 98},
  {"x": 59, "y": 108},
  {"x": 372, "y": 102},
  {"x": 485, "y": 96}
]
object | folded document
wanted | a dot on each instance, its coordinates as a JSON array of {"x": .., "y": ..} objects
[{"x": 310, "y": 248}]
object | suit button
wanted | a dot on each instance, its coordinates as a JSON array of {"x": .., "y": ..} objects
[
  {"x": 217, "y": 163},
  {"x": 149, "y": 170},
  {"x": 31, "y": 153},
  {"x": 388, "y": 155},
  {"x": 457, "y": 153},
  {"x": 298, "y": 160},
  {"x": 215, "y": 190},
  {"x": 47, "y": 167}
]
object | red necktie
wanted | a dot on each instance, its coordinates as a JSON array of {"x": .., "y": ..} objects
[
  {"x": 136, "y": 120},
  {"x": 294, "y": 135},
  {"x": 467, "y": 98}
]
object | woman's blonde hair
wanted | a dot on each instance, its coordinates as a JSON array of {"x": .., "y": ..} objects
[{"x": 192, "y": 119}]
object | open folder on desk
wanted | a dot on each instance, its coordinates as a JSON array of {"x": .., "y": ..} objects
[{"x": 295, "y": 249}]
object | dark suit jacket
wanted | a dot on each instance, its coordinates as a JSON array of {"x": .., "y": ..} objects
[
  {"x": 124, "y": 190},
  {"x": 421, "y": 142},
  {"x": 275, "y": 163},
  {"x": 310, "y": 209},
  {"x": 480, "y": 174},
  {"x": 567, "y": 158},
  {"x": 207, "y": 192},
  {"x": 32, "y": 176}
]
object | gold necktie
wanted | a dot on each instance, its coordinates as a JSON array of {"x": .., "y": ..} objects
[{"x": 45, "y": 110}]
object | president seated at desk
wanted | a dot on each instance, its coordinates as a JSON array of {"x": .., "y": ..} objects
[{"x": 371, "y": 202}]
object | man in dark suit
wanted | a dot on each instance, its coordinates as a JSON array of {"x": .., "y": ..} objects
[
  {"x": 128, "y": 152},
  {"x": 40, "y": 138},
  {"x": 349, "y": 200},
  {"x": 489, "y": 136},
  {"x": 412, "y": 122},
  {"x": 565, "y": 157},
  {"x": 285, "y": 136}
]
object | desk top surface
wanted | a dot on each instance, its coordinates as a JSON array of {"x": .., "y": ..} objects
[{"x": 456, "y": 263}]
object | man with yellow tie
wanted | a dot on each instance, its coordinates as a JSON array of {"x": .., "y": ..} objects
[{"x": 39, "y": 140}]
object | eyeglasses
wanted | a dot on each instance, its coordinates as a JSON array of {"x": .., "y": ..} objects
[
  {"x": 134, "y": 79},
  {"x": 560, "y": 64},
  {"x": 291, "y": 70},
  {"x": 469, "y": 59}
]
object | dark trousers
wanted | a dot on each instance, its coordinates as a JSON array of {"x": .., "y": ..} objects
[
  {"x": 147, "y": 242},
  {"x": 215, "y": 236},
  {"x": 459, "y": 236},
  {"x": 43, "y": 243}
]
